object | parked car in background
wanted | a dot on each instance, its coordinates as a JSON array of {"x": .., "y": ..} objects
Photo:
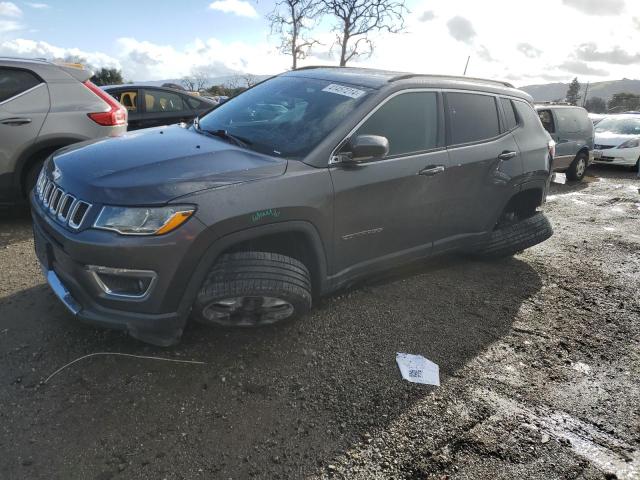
[
  {"x": 345, "y": 172},
  {"x": 596, "y": 117},
  {"x": 618, "y": 140},
  {"x": 572, "y": 130},
  {"x": 45, "y": 106},
  {"x": 156, "y": 106}
]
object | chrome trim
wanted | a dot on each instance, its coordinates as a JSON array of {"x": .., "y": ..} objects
[
  {"x": 22, "y": 93},
  {"x": 54, "y": 202},
  {"x": 73, "y": 212},
  {"x": 94, "y": 270},
  {"x": 63, "y": 202},
  {"x": 61, "y": 292},
  {"x": 53, "y": 199}
]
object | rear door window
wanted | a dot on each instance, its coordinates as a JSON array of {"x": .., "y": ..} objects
[
  {"x": 159, "y": 101},
  {"x": 14, "y": 82},
  {"x": 472, "y": 117},
  {"x": 409, "y": 121},
  {"x": 510, "y": 119}
]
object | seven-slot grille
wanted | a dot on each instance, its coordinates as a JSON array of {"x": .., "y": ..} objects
[{"x": 61, "y": 205}]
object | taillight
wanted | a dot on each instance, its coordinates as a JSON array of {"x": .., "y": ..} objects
[
  {"x": 552, "y": 148},
  {"x": 116, "y": 115}
]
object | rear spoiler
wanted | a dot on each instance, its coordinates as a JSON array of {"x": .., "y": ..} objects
[{"x": 76, "y": 70}]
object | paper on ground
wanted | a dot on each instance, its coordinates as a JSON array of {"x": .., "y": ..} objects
[
  {"x": 417, "y": 369},
  {"x": 560, "y": 178}
]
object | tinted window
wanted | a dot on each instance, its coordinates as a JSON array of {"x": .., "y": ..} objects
[
  {"x": 128, "y": 99},
  {"x": 286, "y": 116},
  {"x": 409, "y": 121},
  {"x": 546, "y": 117},
  {"x": 195, "y": 103},
  {"x": 527, "y": 114},
  {"x": 473, "y": 117},
  {"x": 158, "y": 101},
  {"x": 509, "y": 114},
  {"x": 567, "y": 119},
  {"x": 13, "y": 82}
]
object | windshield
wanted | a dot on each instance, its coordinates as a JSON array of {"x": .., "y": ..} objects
[
  {"x": 285, "y": 116},
  {"x": 620, "y": 126}
]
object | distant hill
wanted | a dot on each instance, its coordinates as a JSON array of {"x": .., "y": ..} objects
[
  {"x": 226, "y": 80},
  {"x": 554, "y": 91}
]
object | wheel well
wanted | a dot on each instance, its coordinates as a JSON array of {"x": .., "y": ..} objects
[
  {"x": 293, "y": 244},
  {"x": 31, "y": 160},
  {"x": 584, "y": 150},
  {"x": 523, "y": 204}
]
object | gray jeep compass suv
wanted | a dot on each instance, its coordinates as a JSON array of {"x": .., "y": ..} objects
[
  {"x": 45, "y": 106},
  {"x": 297, "y": 187}
]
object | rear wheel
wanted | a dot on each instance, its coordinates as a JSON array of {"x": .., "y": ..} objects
[
  {"x": 512, "y": 236},
  {"x": 578, "y": 167},
  {"x": 250, "y": 289}
]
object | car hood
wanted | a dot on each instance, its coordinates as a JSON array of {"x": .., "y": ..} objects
[
  {"x": 612, "y": 139},
  {"x": 155, "y": 166}
]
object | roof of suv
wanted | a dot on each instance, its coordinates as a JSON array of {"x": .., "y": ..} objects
[
  {"x": 376, "y": 79},
  {"x": 40, "y": 65}
]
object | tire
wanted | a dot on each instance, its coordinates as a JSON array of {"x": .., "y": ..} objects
[
  {"x": 578, "y": 167},
  {"x": 515, "y": 237},
  {"x": 250, "y": 289}
]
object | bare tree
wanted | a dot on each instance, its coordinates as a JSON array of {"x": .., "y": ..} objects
[
  {"x": 291, "y": 19},
  {"x": 189, "y": 83},
  {"x": 356, "y": 19},
  {"x": 198, "y": 80},
  {"x": 250, "y": 79}
]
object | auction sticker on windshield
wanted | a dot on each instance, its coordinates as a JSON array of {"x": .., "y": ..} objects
[{"x": 342, "y": 90}]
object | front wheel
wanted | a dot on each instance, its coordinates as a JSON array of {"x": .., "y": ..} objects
[
  {"x": 512, "y": 237},
  {"x": 578, "y": 167},
  {"x": 250, "y": 289}
]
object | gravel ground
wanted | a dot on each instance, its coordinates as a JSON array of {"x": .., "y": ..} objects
[{"x": 539, "y": 361}]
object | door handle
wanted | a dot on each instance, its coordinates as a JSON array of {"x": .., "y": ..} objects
[
  {"x": 431, "y": 170},
  {"x": 15, "y": 122},
  {"x": 507, "y": 155}
]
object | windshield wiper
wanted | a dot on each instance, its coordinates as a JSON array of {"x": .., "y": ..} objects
[{"x": 225, "y": 135}]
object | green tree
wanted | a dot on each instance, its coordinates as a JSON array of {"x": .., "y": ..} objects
[
  {"x": 107, "y": 76},
  {"x": 573, "y": 93},
  {"x": 596, "y": 105},
  {"x": 623, "y": 102}
]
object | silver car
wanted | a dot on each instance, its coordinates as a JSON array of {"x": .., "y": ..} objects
[{"x": 43, "y": 107}]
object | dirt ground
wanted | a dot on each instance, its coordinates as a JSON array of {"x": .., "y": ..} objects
[{"x": 539, "y": 361}]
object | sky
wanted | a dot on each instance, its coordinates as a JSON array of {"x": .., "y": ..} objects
[{"x": 522, "y": 41}]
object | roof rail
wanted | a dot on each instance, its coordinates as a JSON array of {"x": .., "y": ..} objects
[
  {"x": 551, "y": 102},
  {"x": 24, "y": 59},
  {"x": 456, "y": 77}
]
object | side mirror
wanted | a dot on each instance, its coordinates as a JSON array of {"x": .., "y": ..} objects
[{"x": 365, "y": 147}]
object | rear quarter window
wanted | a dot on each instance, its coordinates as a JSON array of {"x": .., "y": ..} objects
[
  {"x": 472, "y": 117},
  {"x": 509, "y": 114},
  {"x": 527, "y": 114},
  {"x": 14, "y": 82}
]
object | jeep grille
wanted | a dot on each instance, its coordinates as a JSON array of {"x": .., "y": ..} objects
[{"x": 61, "y": 205}]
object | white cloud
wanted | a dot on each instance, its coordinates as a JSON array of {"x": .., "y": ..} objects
[
  {"x": 39, "y": 6},
  {"x": 237, "y": 7},
  {"x": 144, "y": 60},
  {"x": 32, "y": 49},
  {"x": 10, "y": 9},
  {"x": 9, "y": 26}
]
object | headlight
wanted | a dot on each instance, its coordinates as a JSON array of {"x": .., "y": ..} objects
[
  {"x": 634, "y": 142},
  {"x": 143, "y": 220}
]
